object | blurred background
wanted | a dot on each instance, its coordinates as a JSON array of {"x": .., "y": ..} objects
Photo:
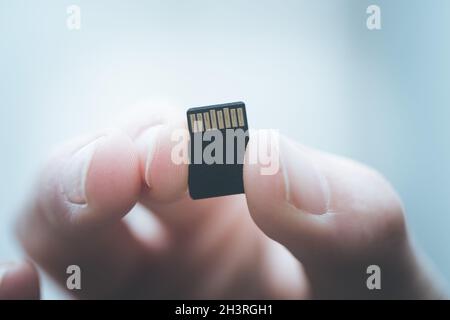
[{"x": 311, "y": 69}]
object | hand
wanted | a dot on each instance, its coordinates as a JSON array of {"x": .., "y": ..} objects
[
  {"x": 333, "y": 218},
  {"x": 18, "y": 280}
]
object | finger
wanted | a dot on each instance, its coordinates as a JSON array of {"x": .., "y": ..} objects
[
  {"x": 91, "y": 182},
  {"x": 163, "y": 152},
  {"x": 75, "y": 213},
  {"x": 211, "y": 237},
  {"x": 325, "y": 209},
  {"x": 19, "y": 281}
]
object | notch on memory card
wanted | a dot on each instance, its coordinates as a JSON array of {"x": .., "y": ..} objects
[{"x": 218, "y": 139}]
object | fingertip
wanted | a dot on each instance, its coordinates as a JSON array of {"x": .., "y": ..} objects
[
  {"x": 19, "y": 281},
  {"x": 91, "y": 183},
  {"x": 265, "y": 193},
  {"x": 293, "y": 177},
  {"x": 283, "y": 201},
  {"x": 163, "y": 161},
  {"x": 113, "y": 181}
]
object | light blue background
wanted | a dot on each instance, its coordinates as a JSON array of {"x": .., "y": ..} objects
[{"x": 308, "y": 68}]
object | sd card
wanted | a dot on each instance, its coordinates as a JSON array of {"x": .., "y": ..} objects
[{"x": 218, "y": 139}]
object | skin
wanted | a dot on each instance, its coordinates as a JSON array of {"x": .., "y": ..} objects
[
  {"x": 19, "y": 280},
  {"x": 307, "y": 232}
]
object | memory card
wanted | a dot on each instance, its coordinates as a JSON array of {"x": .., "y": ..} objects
[{"x": 218, "y": 139}]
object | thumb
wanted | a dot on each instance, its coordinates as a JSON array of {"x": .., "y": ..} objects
[{"x": 330, "y": 212}]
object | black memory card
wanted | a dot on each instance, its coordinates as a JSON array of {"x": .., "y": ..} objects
[{"x": 218, "y": 139}]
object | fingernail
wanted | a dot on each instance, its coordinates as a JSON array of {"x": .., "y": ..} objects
[
  {"x": 75, "y": 173},
  {"x": 305, "y": 186},
  {"x": 147, "y": 143}
]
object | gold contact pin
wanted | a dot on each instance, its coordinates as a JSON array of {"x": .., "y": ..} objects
[
  {"x": 207, "y": 123},
  {"x": 240, "y": 114},
  {"x": 226, "y": 113},
  {"x": 233, "y": 118},
  {"x": 199, "y": 122},
  {"x": 213, "y": 119},
  {"x": 220, "y": 119},
  {"x": 193, "y": 123}
]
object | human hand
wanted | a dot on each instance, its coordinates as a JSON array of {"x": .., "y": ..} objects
[{"x": 332, "y": 216}]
